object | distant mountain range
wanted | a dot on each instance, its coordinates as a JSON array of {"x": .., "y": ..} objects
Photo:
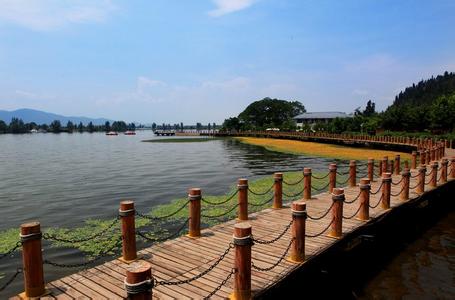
[{"x": 42, "y": 117}]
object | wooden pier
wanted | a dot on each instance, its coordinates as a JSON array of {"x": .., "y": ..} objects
[{"x": 185, "y": 257}]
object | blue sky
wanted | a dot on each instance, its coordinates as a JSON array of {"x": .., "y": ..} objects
[{"x": 205, "y": 60}]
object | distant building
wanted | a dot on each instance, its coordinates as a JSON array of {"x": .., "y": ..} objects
[{"x": 310, "y": 118}]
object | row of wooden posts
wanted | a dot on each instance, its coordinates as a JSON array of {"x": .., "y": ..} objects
[
  {"x": 31, "y": 235},
  {"x": 420, "y": 143}
]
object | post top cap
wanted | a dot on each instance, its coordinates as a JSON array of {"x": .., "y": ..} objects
[
  {"x": 138, "y": 267},
  {"x": 364, "y": 181},
  {"x": 278, "y": 174},
  {"x": 194, "y": 191},
  {"x": 299, "y": 205},
  {"x": 30, "y": 227},
  {"x": 243, "y": 180},
  {"x": 338, "y": 191},
  {"x": 386, "y": 175},
  {"x": 306, "y": 169},
  {"x": 127, "y": 204}
]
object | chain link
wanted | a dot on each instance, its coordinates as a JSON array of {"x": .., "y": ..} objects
[
  {"x": 276, "y": 263},
  {"x": 395, "y": 195},
  {"x": 162, "y": 217},
  {"x": 353, "y": 200},
  {"x": 162, "y": 239},
  {"x": 397, "y": 183},
  {"x": 51, "y": 237},
  {"x": 342, "y": 174},
  {"x": 220, "y": 215},
  {"x": 11, "y": 279},
  {"x": 261, "y": 194},
  {"x": 344, "y": 182},
  {"x": 293, "y": 195},
  {"x": 293, "y": 183},
  {"x": 374, "y": 206},
  {"x": 319, "y": 178},
  {"x": 221, "y": 284},
  {"x": 321, "y": 189},
  {"x": 378, "y": 190},
  {"x": 88, "y": 262},
  {"x": 262, "y": 203},
  {"x": 185, "y": 281},
  {"x": 221, "y": 202},
  {"x": 323, "y": 215},
  {"x": 320, "y": 233},
  {"x": 18, "y": 244},
  {"x": 352, "y": 216},
  {"x": 264, "y": 242},
  {"x": 413, "y": 187}
]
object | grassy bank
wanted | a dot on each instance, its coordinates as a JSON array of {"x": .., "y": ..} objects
[
  {"x": 163, "y": 228},
  {"x": 182, "y": 140},
  {"x": 321, "y": 150}
]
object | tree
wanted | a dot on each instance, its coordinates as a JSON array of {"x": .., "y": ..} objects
[
  {"x": 442, "y": 113},
  {"x": 153, "y": 126},
  {"x": 90, "y": 127},
  {"x": 214, "y": 126},
  {"x": 232, "y": 124},
  {"x": 56, "y": 126},
  {"x": 198, "y": 126},
  {"x": 3, "y": 127},
  {"x": 181, "y": 126},
  {"x": 209, "y": 127},
  {"x": 370, "y": 109},
  {"x": 270, "y": 113},
  {"x": 119, "y": 126},
  {"x": 69, "y": 126},
  {"x": 107, "y": 126},
  {"x": 17, "y": 126},
  {"x": 80, "y": 127}
]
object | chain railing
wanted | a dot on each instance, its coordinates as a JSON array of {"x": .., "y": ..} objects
[
  {"x": 266, "y": 242},
  {"x": 293, "y": 183},
  {"x": 162, "y": 239},
  {"x": 320, "y": 189},
  {"x": 321, "y": 216},
  {"x": 397, "y": 194},
  {"x": 261, "y": 193},
  {"x": 153, "y": 218},
  {"x": 413, "y": 187},
  {"x": 11, "y": 279},
  {"x": 277, "y": 262},
  {"x": 377, "y": 204},
  {"x": 188, "y": 280},
  {"x": 293, "y": 195},
  {"x": 321, "y": 232},
  {"x": 398, "y": 182},
  {"x": 221, "y": 284},
  {"x": 10, "y": 251},
  {"x": 88, "y": 262},
  {"x": 344, "y": 182},
  {"x": 221, "y": 214},
  {"x": 353, "y": 215},
  {"x": 320, "y": 178},
  {"x": 261, "y": 203},
  {"x": 221, "y": 202},
  {"x": 353, "y": 200},
  {"x": 52, "y": 237},
  {"x": 378, "y": 190}
]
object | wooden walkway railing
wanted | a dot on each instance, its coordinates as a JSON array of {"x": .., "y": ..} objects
[{"x": 244, "y": 256}]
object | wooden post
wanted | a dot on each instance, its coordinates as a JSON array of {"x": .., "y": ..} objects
[
  {"x": 139, "y": 281},
  {"x": 243, "y": 199},
  {"x": 391, "y": 167},
  {"x": 307, "y": 183},
  {"x": 127, "y": 213},
  {"x": 352, "y": 173},
  {"x": 371, "y": 169},
  {"x": 427, "y": 156},
  {"x": 332, "y": 177},
  {"x": 298, "y": 231},
  {"x": 364, "y": 212},
  {"x": 32, "y": 259},
  {"x": 406, "y": 164},
  {"x": 421, "y": 180},
  {"x": 434, "y": 174},
  {"x": 405, "y": 184},
  {"x": 380, "y": 167},
  {"x": 278, "y": 190},
  {"x": 432, "y": 154},
  {"x": 242, "y": 261},
  {"x": 337, "y": 212},
  {"x": 385, "y": 163},
  {"x": 397, "y": 164},
  {"x": 444, "y": 164},
  {"x": 414, "y": 160},
  {"x": 452, "y": 167},
  {"x": 386, "y": 186},
  {"x": 422, "y": 156},
  {"x": 195, "y": 196}
]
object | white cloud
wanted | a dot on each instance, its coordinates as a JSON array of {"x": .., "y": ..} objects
[
  {"x": 224, "y": 7},
  {"x": 45, "y": 15}
]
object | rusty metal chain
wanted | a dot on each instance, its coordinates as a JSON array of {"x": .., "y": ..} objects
[
  {"x": 320, "y": 233},
  {"x": 344, "y": 182},
  {"x": 377, "y": 204},
  {"x": 221, "y": 284},
  {"x": 221, "y": 202},
  {"x": 293, "y": 195},
  {"x": 276, "y": 263},
  {"x": 11, "y": 279},
  {"x": 352, "y": 216},
  {"x": 321, "y": 189},
  {"x": 395, "y": 195},
  {"x": 261, "y": 193},
  {"x": 319, "y": 178},
  {"x": 51, "y": 237},
  {"x": 397, "y": 183},
  {"x": 261, "y": 203},
  {"x": 264, "y": 242},
  {"x": 145, "y": 216},
  {"x": 220, "y": 215},
  {"x": 353, "y": 200},
  {"x": 378, "y": 190},
  {"x": 323, "y": 215},
  {"x": 413, "y": 187},
  {"x": 293, "y": 183},
  {"x": 88, "y": 262},
  {"x": 162, "y": 239},
  {"x": 185, "y": 281},
  {"x": 10, "y": 251}
]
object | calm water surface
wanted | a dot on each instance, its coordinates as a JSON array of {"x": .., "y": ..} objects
[{"x": 63, "y": 179}]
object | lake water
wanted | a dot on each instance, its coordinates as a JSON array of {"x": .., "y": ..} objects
[{"x": 63, "y": 179}]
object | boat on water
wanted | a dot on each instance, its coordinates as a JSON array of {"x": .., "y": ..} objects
[
  {"x": 129, "y": 132},
  {"x": 111, "y": 133}
]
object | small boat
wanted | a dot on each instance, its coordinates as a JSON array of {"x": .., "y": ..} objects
[
  {"x": 111, "y": 133},
  {"x": 129, "y": 132}
]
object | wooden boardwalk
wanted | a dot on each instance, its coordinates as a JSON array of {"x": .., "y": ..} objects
[{"x": 185, "y": 257}]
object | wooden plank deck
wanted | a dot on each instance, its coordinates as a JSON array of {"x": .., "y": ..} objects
[{"x": 184, "y": 257}]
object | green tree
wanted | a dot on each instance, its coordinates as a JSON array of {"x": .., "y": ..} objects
[
  {"x": 181, "y": 126},
  {"x": 270, "y": 113},
  {"x": 3, "y": 127},
  {"x": 107, "y": 126},
  {"x": 90, "y": 127},
  {"x": 153, "y": 126},
  {"x": 70, "y": 126},
  {"x": 232, "y": 124},
  {"x": 209, "y": 127},
  {"x": 442, "y": 113},
  {"x": 56, "y": 126},
  {"x": 17, "y": 126},
  {"x": 198, "y": 126},
  {"x": 370, "y": 109},
  {"x": 80, "y": 127}
]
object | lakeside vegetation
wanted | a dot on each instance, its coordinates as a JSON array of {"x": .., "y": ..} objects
[
  {"x": 160, "y": 228},
  {"x": 425, "y": 109},
  {"x": 319, "y": 149},
  {"x": 182, "y": 140}
]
